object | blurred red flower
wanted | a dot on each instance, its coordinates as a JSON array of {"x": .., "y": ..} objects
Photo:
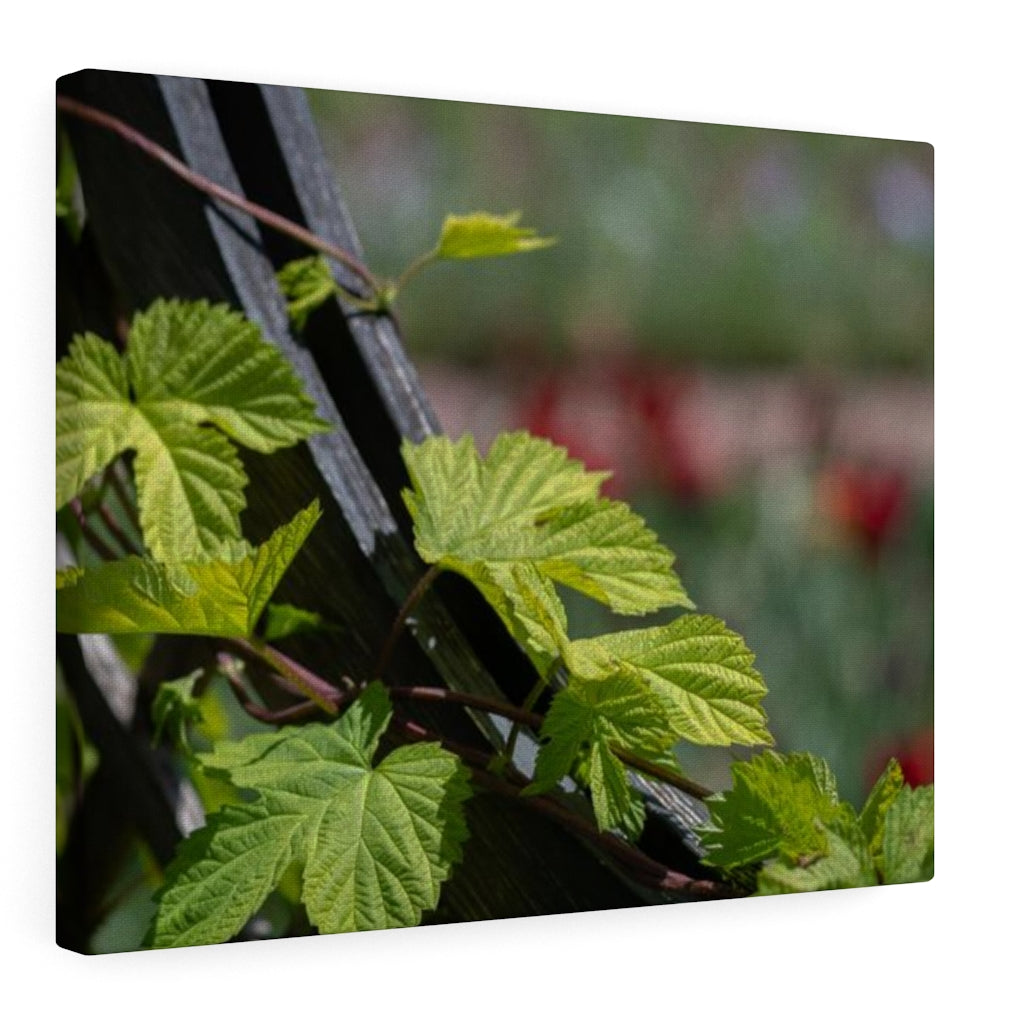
[{"x": 869, "y": 503}]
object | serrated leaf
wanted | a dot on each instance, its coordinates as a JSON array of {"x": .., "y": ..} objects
[
  {"x": 175, "y": 708},
  {"x": 478, "y": 235},
  {"x": 187, "y": 364},
  {"x": 616, "y": 804},
  {"x": 94, "y": 417},
  {"x": 583, "y": 725},
  {"x": 701, "y": 669},
  {"x": 374, "y": 843},
  {"x": 307, "y": 284},
  {"x": 880, "y": 799},
  {"x": 191, "y": 487},
  {"x": 215, "y": 597},
  {"x": 778, "y": 805},
  {"x": 527, "y": 504},
  {"x": 847, "y": 863},
  {"x": 530, "y": 608},
  {"x": 222, "y": 874},
  {"x": 908, "y": 837}
]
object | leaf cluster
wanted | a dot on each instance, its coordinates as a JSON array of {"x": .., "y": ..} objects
[
  {"x": 527, "y": 517},
  {"x": 784, "y": 817},
  {"x": 194, "y": 378}
]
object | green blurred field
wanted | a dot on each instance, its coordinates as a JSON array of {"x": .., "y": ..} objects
[{"x": 739, "y": 323}]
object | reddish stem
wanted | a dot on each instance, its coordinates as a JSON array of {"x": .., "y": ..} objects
[
  {"x": 211, "y": 188},
  {"x": 644, "y": 869}
]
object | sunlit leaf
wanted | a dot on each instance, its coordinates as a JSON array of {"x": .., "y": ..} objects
[
  {"x": 375, "y": 843},
  {"x": 215, "y": 597},
  {"x": 477, "y": 235},
  {"x": 193, "y": 376}
]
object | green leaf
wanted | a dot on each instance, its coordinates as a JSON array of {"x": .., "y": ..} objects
[
  {"x": 702, "y": 670},
  {"x": 374, "y": 843},
  {"x": 527, "y": 504},
  {"x": 286, "y": 620},
  {"x": 192, "y": 373},
  {"x": 908, "y": 838},
  {"x": 584, "y": 724},
  {"x": 847, "y": 863},
  {"x": 307, "y": 284},
  {"x": 530, "y": 608},
  {"x": 476, "y": 235},
  {"x": 616, "y": 803},
  {"x": 94, "y": 416},
  {"x": 216, "y": 597},
  {"x": 175, "y": 708},
  {"x": 778, "y": 805},
  {"x": 880, "y": 799}
]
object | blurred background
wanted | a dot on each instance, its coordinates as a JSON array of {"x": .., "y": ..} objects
[{"x": 738, "y": 323}]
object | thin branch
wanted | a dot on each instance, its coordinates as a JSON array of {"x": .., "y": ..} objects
[
  {"x": 127, "y": 544},
  {"x": 123, "y": 497},
  {"x": 645, "y": 869},
  {"x": 415, "y": 731},
  {"x": 92, "y": 538},
  {"x": 227, "y": 667},
  {"x": 437, "y": 694},
  {"x": 414, "y": 598},
  {"x": 531, "y": 698},
  {"x": 211, "y": 188},
  {"x": 418, "y": 264},
  {"x": 657, "y": 771},
  {"x": 325, "y": 695}
]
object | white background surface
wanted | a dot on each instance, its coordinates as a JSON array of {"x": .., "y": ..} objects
[{"x": 880, "y": 69}]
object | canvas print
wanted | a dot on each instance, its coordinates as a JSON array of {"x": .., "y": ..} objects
[{"x": 470, "y": 512}]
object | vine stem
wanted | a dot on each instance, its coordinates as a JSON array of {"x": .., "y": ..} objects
[
  {"x": 417, "y": 265},
  {"x": 325, "y": 695},
  {"x": 521, "y": 716},
  {"x": 226, "y": 664},
  {"x": 124, "y": 499},
  {"x": 645, "y": 869},
  {"x": 127, "y": 545},
  {"x": 85, "y": 112},
  {"x": 657, "y": 771},
  {"x": 410, "y": 603},
  {"x": 531, "y": 698},
  {"x": 92, "y": 538}
]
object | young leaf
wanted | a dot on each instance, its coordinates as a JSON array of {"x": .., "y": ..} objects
[
  {"x": 589, "y": 720},
  {"x": 187, "y": 364},
  {"x": 778, "y": 805},
  {"x": 908, "y": 839},
  {"x": 702, "y": 670},
  {"x": 175, "y": 709},
  {"x": 374, "y": 843},
  {"x": 476, "y": 235},
  {"x": 216, "y": 597},
  {"x": 527, "y": 504},
  {"x": 846, "y": 865},
  {"x": 880, "y": 799},
  {"x": 307, "y": 284},
  {"x": 286, "y": 620}
]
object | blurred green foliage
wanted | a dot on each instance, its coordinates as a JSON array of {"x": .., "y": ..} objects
[{"x": 715, "y": 243}]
